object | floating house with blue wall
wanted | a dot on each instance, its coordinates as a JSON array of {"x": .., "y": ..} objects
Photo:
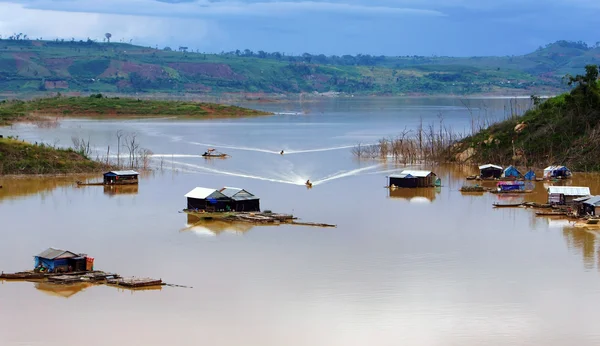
[
  {"x": 511, "y": 172},
  {"x": 62, "y": 261},
  {"x": 557, "y": 172}
]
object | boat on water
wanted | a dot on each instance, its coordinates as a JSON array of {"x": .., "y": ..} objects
[
  {"x": 507, "y": 205},
  {"x": 212, "y": 153},
  {"x": 308, "y": 184},
  {"x": 544, "y": 213}
]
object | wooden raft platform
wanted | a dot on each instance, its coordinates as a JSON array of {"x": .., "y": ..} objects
[
  {"x": 133, "y": 282},
  {"x": 95, "y": 277},
  {"x": 255, "y": 218}
]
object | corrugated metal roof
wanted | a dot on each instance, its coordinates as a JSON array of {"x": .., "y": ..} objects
[
  {"x": 204, "y": 193},
  {"x": 581, "y": 199},
  {"x": 594, "y": 200},
  {"x": 129, "y": 172},
  {"x": 489, "y": 165},
  {"x": 230, "y": 191},
  {"x": 418, "y": 174},
  {"x": 570, "y": 190},
  {"x": 237, "y": 194},
  {"x": 52, "y": 253},
  {"x": 555, "y": 168}
]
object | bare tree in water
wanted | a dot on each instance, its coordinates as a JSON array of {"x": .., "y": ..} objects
[
  {"x": 133, "y": 146},
  {"x": 119, "y": 135}
]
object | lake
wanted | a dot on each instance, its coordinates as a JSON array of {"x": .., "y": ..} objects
[{"x": 410, "y": 267}]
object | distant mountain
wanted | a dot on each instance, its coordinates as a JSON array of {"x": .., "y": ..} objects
[{"x": 30, "y": 66}]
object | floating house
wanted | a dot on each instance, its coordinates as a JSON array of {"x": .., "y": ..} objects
[
  {"x": 412, "y": 179},
  {"x": 490, "y": 171},
  {"x": 511, "y": 172},
  {"x": 504, "y": 186},
  {"x": 557, "y": 172},
  {"x": 587, "y": 205},
  {"x": 530, "y": 175},
  {"x": 62, "y": 261},
  {"x": 561, "y": 195},
  {"x": 242, "y": 200},
  {"x": 121, "y": 177},
  {"x": 591, "y": 206},
  {"x": 202, "y": 198}
]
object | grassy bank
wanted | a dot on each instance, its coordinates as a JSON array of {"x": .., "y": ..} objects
[
  {"x": 17, "y": 157},
  {"x": 98, "y": 105},
  {"x": 562, "y": 130}
]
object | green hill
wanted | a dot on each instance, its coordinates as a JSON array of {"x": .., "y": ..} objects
[
  {"x": 562, "y": 130},
  {"x": 33, "y": 66}
]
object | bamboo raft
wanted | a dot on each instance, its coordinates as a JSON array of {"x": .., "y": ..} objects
[
  {"x": 265, "y": 218},
  {"x": 473, "y": 188},
  {"x": 96, "y": 277},
  {"x": 79, "y": 183}
]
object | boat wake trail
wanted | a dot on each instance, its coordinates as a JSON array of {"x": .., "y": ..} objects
[
  {"x": 276, "y": 152},
  {"x": 237, "y": 174},
  {"x": 236, "y": 148},
  {"x": 344, "y": 174},
  {"x": 289, "y": 178}
]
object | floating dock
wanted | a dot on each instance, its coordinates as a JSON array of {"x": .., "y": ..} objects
[
  {"x": 94, "y": 277},
  {"x": 265, "y": 218}
]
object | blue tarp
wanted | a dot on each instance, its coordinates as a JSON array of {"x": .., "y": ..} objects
[
  {"x": 530, "y": 175},
  {"x": 511, "y": 171}
]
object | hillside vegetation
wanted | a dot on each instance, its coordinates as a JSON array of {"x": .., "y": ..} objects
[
  {"x": 17, "y": 157},
  {"x": 99, "y": 105},
  {"x": 562, "y": 130},
  {"x": 34, "y": 66}
]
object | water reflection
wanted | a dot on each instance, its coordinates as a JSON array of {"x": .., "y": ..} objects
[
  {"x": 420, "y": 195},
  {"x": 584, "y": 242},
  {"x": 214, "y": 227},
  {"x": 16, "y": 187},
  {"x": 63, "y": 291},
  {"x": 112, "y": 190}
]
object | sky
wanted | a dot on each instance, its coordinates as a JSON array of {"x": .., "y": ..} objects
[{"x": 376, "y": 27}]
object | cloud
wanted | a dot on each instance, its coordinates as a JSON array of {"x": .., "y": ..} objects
[
  {"x": 221, "y": 9},
  {"x": 15, "y": 18}
]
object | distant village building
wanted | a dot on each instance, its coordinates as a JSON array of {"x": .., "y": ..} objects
[
  {"x": 530, "y": 175},
  {"x": 121, "y": 177},
  {"x": 412, "y": 179},
  {"x": 490, "y": 171},
  {"x": 562, "y": 195},
  {"x": 557, "y": 172},
  {"x": 511, "y": 172},
  {"x": 56, "y": 260},
  {"x": 242, "y": 199}
]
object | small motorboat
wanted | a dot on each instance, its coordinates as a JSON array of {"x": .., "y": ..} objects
[
  {"x": 212, "y": 153},
  {"x": 281, "y": 152},
  {"x": 308, "y": 183}
]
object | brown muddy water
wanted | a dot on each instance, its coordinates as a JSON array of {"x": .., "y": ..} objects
[{"x": 410, "y": 267}]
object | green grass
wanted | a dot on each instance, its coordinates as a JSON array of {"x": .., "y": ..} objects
[
  {"x": 562, "y": 130},
  {"x": 18, "y": 157},
  {"x": 99, "y": 106}
]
